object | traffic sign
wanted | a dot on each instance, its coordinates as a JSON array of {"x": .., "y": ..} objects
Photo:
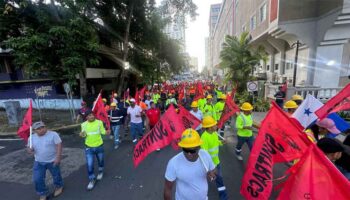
[{"x": 252, "y": 86}]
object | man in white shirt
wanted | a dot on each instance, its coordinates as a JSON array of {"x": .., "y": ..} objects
[
  {"x": 135, "y": 115},
  {"x": 197, "y": 113},
  {"x": 189, "y": 170}
]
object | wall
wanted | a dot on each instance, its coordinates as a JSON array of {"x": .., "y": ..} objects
[{"x": 55, "y": 104}]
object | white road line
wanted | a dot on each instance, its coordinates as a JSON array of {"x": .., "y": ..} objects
[{"x": 10, "y": 139}]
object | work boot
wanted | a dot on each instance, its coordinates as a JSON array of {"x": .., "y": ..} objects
[
  {"x": 91, "y": 185},
  {"x": 42, "y": 198},
  {"x": 58, "y": 191},
  {"x": 99, "y": 176}
]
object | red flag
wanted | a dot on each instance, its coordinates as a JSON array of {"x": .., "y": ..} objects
[
  {"x": 142, "y": 93},
  {"x": 181, "y": 94},
  {"x": 333, "y": 102},
  {"x": 199, "y": 92},
  {"x": 24, "y": 131},
  {"x": 345, "y": 105},
  {"x": 278, "y": 140},
  {"x": 230, "y": 109},
  {"x": 315, "y": 177},
  {"x": 169, "y": 128},
  {"x": 100, "y": 111},
  {"x": 137, "y": 98},
  {"x": 126, "y": 94}
]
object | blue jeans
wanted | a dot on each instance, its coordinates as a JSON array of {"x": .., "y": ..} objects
[
  {"x": 90, "y": 152},
  {"x": 241, "y": 141},
  {"x": 39, "y": 174},
  {"x": 136, "y": 129},
  {"x": 115, "y": 130},
  {"x": 220, "y": 184}
]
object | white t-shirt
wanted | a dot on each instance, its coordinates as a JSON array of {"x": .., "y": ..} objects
[
  {"x": 133, "y": 112},
  {"x": 190, "y": 177},
  {"x": 45, "y": 146},
  {"x": 198, "y": 115}
]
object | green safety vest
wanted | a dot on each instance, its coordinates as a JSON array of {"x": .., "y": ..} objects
[
  {"x": 211, "y": 144},
  {"x": 241, "y": 121},
  {"x": 201, "y": 103},
  {"x": 210, "y": 112},
  {"x": 155, "y": 98},
  {"x": 93, "y": 131},
  {"x": 219, "y": 107}
]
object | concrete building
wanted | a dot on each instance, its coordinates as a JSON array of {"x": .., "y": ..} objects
[
  {"x": 207, "y": 53},
  {"x": 322, "y": 27},
  {"x": 213, "y": 19},
  {"x": 223, "y": 27},
  {"x": 193, "y": 64}
]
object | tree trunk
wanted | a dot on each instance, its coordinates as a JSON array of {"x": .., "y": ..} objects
[
  {"x": 126, "y": 48},
  {"x": 83, "y": 86}
]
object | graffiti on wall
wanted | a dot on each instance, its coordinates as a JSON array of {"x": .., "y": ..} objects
[{"x": 43, "y": 91}]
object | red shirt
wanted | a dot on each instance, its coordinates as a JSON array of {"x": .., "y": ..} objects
[{"x": 153, "y": 115}]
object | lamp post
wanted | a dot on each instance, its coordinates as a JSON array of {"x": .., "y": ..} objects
[{"x": 297, "y": 44}]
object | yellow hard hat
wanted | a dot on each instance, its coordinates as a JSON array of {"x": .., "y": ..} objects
[
  {"x": 209, "y": 96},
  {"x": 208, "y": 122},
  {"x": 104, "y": 100},
  {"x": 113, "y": 104},
  {"x": 246, "y": 106},
  {"x": 194, "y": 104},
  {"x": 290, "y": 104},
  {"x": 190, "y": 138},
  {"x": 223, "y": 96},
  {"x": 297, "y": 97}
]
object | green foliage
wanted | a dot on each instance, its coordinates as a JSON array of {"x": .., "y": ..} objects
[
  {"x": 344, "y": 114},
  {"x": 261, "y": 105},
  {"x": 239, "y": 57},
  {"x": 242, "y": 97}
]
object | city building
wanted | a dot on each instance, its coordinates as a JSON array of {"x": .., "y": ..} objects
[
  {"x": 213, "y": 19},
  {"x": 223, "y": 27},
  {"x": 321, "y": 29},
  {"x": 193, "y": 64}
]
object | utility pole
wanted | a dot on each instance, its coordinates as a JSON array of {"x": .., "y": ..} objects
[{"x": 297, "y": 44}]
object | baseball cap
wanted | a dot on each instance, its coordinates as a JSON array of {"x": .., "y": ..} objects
[
  {"x": 38, "y": 124},
  {"x": 132, "y": 100}
]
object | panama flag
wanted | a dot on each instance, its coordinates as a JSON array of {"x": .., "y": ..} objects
[{"x": 305, "y": 114}]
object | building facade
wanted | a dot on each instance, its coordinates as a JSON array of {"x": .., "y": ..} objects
[
  {"x": 322, "y": 29},
  {"x": 213, "y": 19}
]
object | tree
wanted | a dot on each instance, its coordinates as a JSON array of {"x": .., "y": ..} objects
[
  {"x": 240, "y": 58},
  {"x": 54, "y": 42}
]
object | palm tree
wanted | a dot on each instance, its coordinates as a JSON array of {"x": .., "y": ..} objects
[{"x": 239, "y": 57}]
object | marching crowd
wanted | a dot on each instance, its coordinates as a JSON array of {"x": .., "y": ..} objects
[{"x": 199, "y": 160}]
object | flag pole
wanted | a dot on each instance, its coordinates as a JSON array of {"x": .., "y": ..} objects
[
  {"x": 205, "y": 166},
  {"x": 30, "y": 137},
  {"x": 96, "y": 101},
  {"x": 220, "y": 136}
]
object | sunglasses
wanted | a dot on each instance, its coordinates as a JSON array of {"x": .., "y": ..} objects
[{"x": 190, "y": 151}]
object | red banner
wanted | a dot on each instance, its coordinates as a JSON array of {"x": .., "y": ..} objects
[
  {"x": 168, "y": 129},
  {"x": 278, "y": 140},
  {"x": 100, "y": 111},
  {"x": 334, "y": 102},
  {"x": 199, "y": 92},
  {"x": 315, "y": 177},
  {"x": 142, "y": 93},
  {"x": 24, "y": 131},
  {"x": 230, "y": 109}
]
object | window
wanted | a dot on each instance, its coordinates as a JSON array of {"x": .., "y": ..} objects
[
  {"x": 267, "y": 67},
  {"x": 253, "y": 22},
  {"x": 263, "y": 13},
  {"x": 276, "y": 66}
]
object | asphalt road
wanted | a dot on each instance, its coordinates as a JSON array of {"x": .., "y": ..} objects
[{"x": 121, "y": 180}]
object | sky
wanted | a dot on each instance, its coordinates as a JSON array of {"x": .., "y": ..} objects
[{"x": 198, "y": 30}]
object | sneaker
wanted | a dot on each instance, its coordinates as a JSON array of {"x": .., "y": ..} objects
[
  {"x": 42, "y": 198},
  {"x": 239, "y": 157},
  {"x": 58, "y": 191},
  {"x": 91, "y": 185},
  {"x": 227, "y": 126},
  {"x": 99, "y": 176},
  {"x": 116, "y": 146},
  {"x": 111, "y": 137},
  {"x": 158, "y": 150}
]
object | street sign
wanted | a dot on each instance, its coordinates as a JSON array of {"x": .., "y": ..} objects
[{"x": 252, "y": 86}]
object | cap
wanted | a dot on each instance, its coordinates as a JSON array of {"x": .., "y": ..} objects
[
  {"x": 329, "y": 145},
  {"x": 83, "y": 103},
  {"x": 38, "y": 124},
  {"x": 132, "y": 100},
  {"x": 329, "y": 125}
]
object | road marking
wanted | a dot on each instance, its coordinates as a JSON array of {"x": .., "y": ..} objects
[
  {"x": 1, "y": 147},
  {"x": 10, "y": 139}
]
